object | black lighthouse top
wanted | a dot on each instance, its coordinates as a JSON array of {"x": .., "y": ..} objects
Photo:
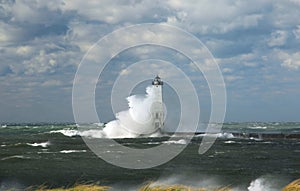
[{"x": 157, "y": 81}]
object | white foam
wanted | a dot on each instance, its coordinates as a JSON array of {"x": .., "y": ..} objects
[
  {"x": 267, "y": 142},
  {"x": 99, "y": 124},
  {"x": 261, "y": 184},
  {"x": 93, "y": 133},
  {"x": 258, "y": 127},
  {"x": 67, "y": 132},
  {"x": 43, "y": 144},
  {"x": 218, "y": 135},
  {"x": 226, "y": 135},
  {"x": 255, "y": 139},
  {"x": 115, "y": 130},
  {"x": 229, "y": 142},
  {"x": 15, "y": 156},
  {"x": 45, "y": 151},
  {"x": 153, "y": 143},
  {"x": 179, "y": 142},
  {"x": 72, "y": 151},
  {"x": 17, "y": 144}
]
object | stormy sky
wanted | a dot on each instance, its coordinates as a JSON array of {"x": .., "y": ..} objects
[{"x": 256, "y": 44}]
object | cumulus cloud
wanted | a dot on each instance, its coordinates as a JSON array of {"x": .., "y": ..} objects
[
  {"x": 296, "y": 32},
  {"x": 290, "y": 61},
  {"x": 24, "y": 50},
  {"x": 41, "y": 63},
  {"x": 117, "y": 11},
  {"x": 37, "y": 12},
  {"x": 218, "y": 17},
  {"x": 251, "y": 41},
  {"x": 9, "y": 33},
  {"x": 278, "y": 38}
]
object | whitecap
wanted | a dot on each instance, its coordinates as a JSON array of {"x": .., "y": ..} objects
[
  {"x": 72, "y": 151},
  {"x": 107, "y": 132},
  {"x": 180, "y": 142},
  {"x": 229, "y": 142},
  {"x": 93, "y": 133},
  {"x": 267, "y": 142},
  {"x": 67, "y": 132},
  {"x": 218, "y": 135},
  {"x": 258, "y": 127},
  {"x": 98, "y": 124},
  {"x": 45, "y": 151},
  {"x": 153, "y": 143},
  {"x": 43, "y": 144},
  {"x": 255, "y": 139},
  {"x": 17, "y": 144},
  {"x": 226, "y": 135},
  {"x": 15, "y": 156}
]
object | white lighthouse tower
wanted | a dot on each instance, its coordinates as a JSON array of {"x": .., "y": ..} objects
[{"x": 157, "y": 107}]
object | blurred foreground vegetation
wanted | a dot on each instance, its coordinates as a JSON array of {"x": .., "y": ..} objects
[{"x": 293, "y": 186}]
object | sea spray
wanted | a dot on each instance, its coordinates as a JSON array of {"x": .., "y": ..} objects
[
  {"x": 135, "y": 121},
  {"x": 265, "y": 183}
]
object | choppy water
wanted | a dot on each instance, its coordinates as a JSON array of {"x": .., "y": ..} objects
[{"x": 55, "y": 155}]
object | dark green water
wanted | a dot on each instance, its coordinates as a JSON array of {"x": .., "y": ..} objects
[{"x": 42, "y": 154}]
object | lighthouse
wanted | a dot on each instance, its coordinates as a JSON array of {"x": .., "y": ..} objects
[{"x": 157, "y": 107}]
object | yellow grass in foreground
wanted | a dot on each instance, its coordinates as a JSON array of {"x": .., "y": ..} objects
[
  {"x": 89, "y": 187},
  {"x": 293, "y": 186},
  {"x": 147, "y": 187}
]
